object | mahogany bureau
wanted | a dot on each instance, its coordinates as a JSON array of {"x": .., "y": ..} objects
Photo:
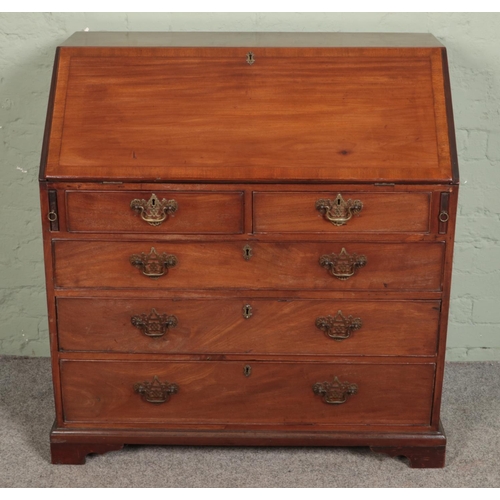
[{"x": 248, "y": 240}]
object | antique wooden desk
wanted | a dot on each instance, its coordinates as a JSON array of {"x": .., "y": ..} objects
[{"x": 248, "y": 240}]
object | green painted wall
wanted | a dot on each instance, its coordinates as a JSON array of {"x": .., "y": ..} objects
[{"x": 27, "y": 45}]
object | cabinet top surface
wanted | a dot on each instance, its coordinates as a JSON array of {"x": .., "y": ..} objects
[{"x": 249, "y": 39}]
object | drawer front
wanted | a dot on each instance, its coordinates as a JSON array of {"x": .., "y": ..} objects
[
  {"x": 286, "y": 265},
  {"x": 154, "y": 212},
  {"x": 116, "y": 392},
  {"x": 341, "y": 212},
  {"x": 247, "y": 325}
]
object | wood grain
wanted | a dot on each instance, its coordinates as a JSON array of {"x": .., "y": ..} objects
[
  {"x": 291, "y": 117},
  {"x": 382, "y": 212},
  {"x": 412, "y": 266},
  {"x": 395, "y": 328},
  {"x": 197, "y": 213},
  {"x": 212, "y": 392}
]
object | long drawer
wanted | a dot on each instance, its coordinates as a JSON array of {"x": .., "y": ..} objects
[
  {"x": 248, "y": 325},
  {"x": 108, "y": 393},
  {"x": 255, "y": 265}
]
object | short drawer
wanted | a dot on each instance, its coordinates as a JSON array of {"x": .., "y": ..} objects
[
  {"x": 252, "y": 265},
  {"x": 155, "y": 212},
  {"x": 249, "y": 325},
  {"x": 341, "y": 212},
  {"x": 112, "y": 393}
]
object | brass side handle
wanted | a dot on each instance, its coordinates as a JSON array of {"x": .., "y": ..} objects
[
  {"x": 338, "y": 211},
  {"x": 444, "y": 216},
  {"x": 156, "y": 392},
  {"x": 335, "y": 392},
  {"x": 154, "y": 211},
  {"x": 343, "y": 265},
  {"x": 153, "y": 264},
  {"x": 154, "y": 324},
  {"x": 338, "y": 327}
]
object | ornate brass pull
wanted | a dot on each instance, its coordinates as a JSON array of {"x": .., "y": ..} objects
[
  {"x": 335, "y": 392},
  {"x": 153, "y": 265},
  {"x": 154, "y": 211},
  {"x": 338, "y": 327},
  {"x": 338, "y": 211},
  {"x": 156, "y": 392},
  {"x": 154, "y": 324},
  {"x": 342, "y": 266}
]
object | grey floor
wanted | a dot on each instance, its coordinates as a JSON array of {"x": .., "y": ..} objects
[{"x": 471, "y": 418}]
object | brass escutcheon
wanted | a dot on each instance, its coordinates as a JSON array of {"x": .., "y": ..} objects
[
  {"x": 156, "y": 392},
  {"x": 343, "y": 265},
  {"x": 250, "y": 58},
  {"x": 335, "y": 392},
  {"x": 153, "y": 265},
  {"x": 247, "y": 370},
  {"x": 338, "y": 211},
  {"x": 247, "y": 311},
  {"x": 247, "y": 252},
  {"x": 338, "y": 327},
  {"x": 154, "y": 211},
  {"x": 154, "y": 324}
]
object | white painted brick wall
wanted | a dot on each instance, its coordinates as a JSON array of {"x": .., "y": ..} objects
[{"x": 27, "y": 44}]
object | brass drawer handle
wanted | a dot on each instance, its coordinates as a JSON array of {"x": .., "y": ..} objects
[
  {"x": 344, "y": 265},
  {"x": 338, "y": 211},
  {"x": 338, "y": 327},
  {"x": 156, "y": 392},
  {"x": 335, "y": 392},
  {"x": 153, "y": 264},
  {"x": 154, "y": 324},
  {"x": 154, "y": 211}
]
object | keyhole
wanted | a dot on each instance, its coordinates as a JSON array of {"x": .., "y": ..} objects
[
  {"x": 250, "y": 58},
  {"x": 338, "y": 202},
  {"x": 247, "y": 370},
  {"x": 247, "y": 252},
  {"x": 247, "y": 311},
  {"x": 153, "y": 202}
]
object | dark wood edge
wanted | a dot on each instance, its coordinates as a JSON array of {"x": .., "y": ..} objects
[
  {"x": 51, "y": 301},
  {"x": 48, "y": 119},
  {"x": 246, "y": 437},
  {"x": 450, "y": 119},
  {"x": 420, "y": 457},
  {"x": 445, "y": 306},
  {"x": 332, "y": 182},
  {"x": 71, "y": 446}
]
